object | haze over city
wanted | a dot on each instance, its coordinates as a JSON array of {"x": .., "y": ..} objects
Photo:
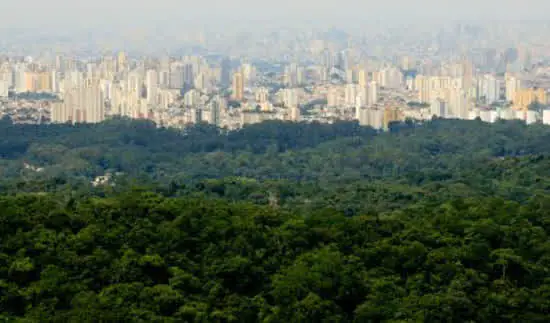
[
  {"x": 105, "y": 14},
  {"x": 274, "y": 161}
]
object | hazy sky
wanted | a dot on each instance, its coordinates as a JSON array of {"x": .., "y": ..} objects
[{"x": 147, "y": 13}]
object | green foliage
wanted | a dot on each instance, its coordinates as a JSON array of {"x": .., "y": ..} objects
[
  {"x": 143, "y": 257},
  {"x": 444, "y": 221}
]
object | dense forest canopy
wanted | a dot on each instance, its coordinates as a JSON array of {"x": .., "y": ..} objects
[{"x": 442, "y": 221}]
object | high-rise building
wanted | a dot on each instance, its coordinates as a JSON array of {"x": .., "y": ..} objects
[
  {"x": 151, "y": 85},
  {"x": 31, "y": 81},
  {"x": 55, "y": 82},
  {"x": 373, "y": 93},
  {"x": 391, "y": 78},
  {"x": 92, "y": 105},
  {"x": 546, "y": 117},
  {"x": 295, "y": 114},
  {"x": 489, "y": 88},
  {"x": 361, "y": 115},
  {"x": 262, "y": 95},
  {"x": 290, "y": 77},
  {"x": 362, "y": 85},
  {"x": 327, "y": 59},
  {"x": 350, "y": 95},
  {"x": 119, "y": 101},
  {"x": 249, "y": 74},
  {"x": 350, "y": 75},
  {"x": 459, "y": 105},
  {"x": 44, "y": 82},
  {"x": 409, "y": 84},
  {"x": 201, "y": 82},
  {"x": 513, "y": 84},
  {"x": 362, "y": 78},
  {"x": 122, "y": 62},
  {"x": 290, "y": 98},
  {"x": 73, "y": 79},
  {"x": 423, "y": 86},
  {"x": 324, "y": 74},
  {"x": 375, "y": 118},
  {"x": 164, "y": 78},
  {"x": 215, "y": 112},
  {"x": 135, "y": 83},
  {"x": 238, "y": 86},
  {"x": 59, "y": 63},
  {"x": 191, "y": 98},
  {"x": 300, "y": 75},
  {"x": 7, "y": 76},
  {"x": 189, "y": 73},
  {"x": 344, "y": 60},
  {"x": 195, "y": 115},
  {"x": 333, "y": 97},
  {"x": 439, "y": 108},
  {"x": 4, "y": 89},
  {"x": 407, "y": 63},
  {"x": 525, "y": 97},
  {"x": 62, "y": 112}
]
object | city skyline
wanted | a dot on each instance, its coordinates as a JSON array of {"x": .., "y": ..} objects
[{"x": 242, "y": 75}]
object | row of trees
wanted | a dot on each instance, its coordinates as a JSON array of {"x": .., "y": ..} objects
[{"x": 353, "y": 168}]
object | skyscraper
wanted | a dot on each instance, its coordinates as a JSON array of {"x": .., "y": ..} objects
[
  {"x": 333, "y": 97},
  {"x": 151, "y": 84},
  {"x": 262, "y": 95},
  {"x": 291, "y": 75},
  {"x": 361, "y": 114},
  {"x": 215, "y": 112},
  {"x": 295, "y": 114},
  {"x": 423, "y": 86},
  {"x": 249, "y": 73},
  {"x": 513, "y": 85},
  {"x": 459, "y": 106},
  {"x": 290, "y": 98},
  {"x": 362, "y": 78},
  {"x": 350, "y": 94},
  {"x": 439, "y": 108},
  {"x": 238, "y": 86},
  {"x": 373, "y": 93},
  {"x": 4, "y": 88},
  {"x": 188, "y": 75},
  {"x": 122, "y": 62},
  {"x": 91, "y": 108},
  {"x": 490, "y": 88}
]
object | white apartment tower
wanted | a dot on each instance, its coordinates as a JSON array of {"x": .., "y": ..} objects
[
  {"x": 490, "y": 88},
  {"x": 152, "y": 85},
  {"x": 512, "y": 85},
  {"x": 439, "y": 108},
  {"x": 350, "y": 95},
  {"x": 373, "y": 93}
]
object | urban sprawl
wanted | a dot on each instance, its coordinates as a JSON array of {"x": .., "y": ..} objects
[{"x": 316, "y": 77}]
